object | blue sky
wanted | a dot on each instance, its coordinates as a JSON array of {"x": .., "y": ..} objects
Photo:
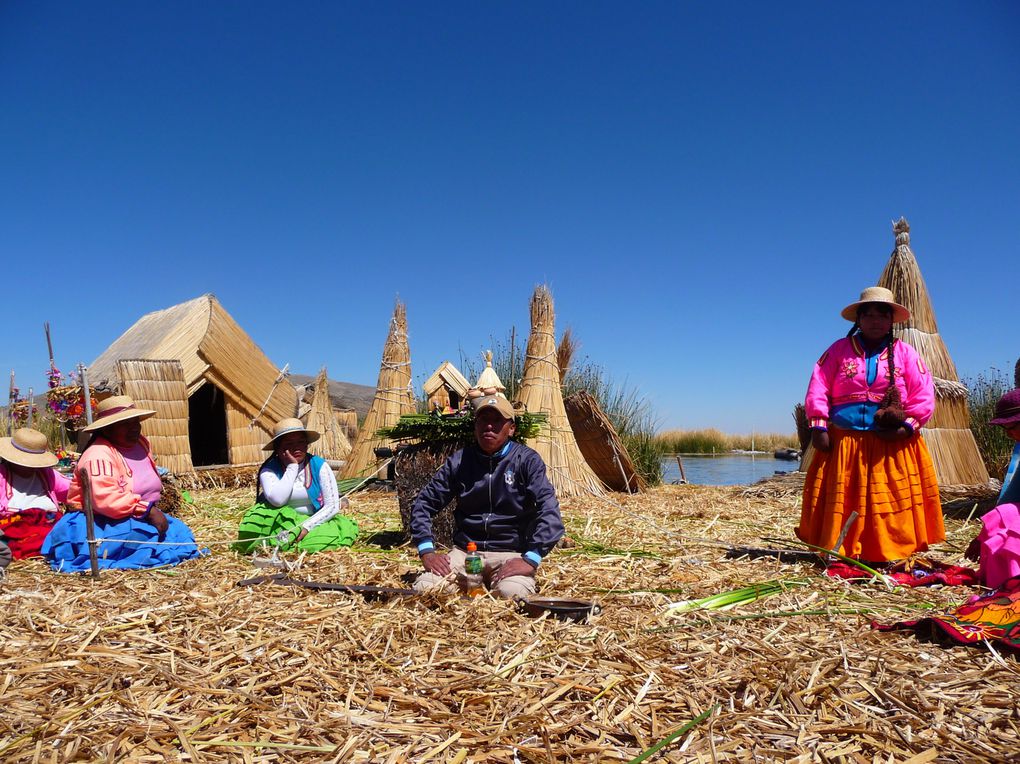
[{"x": 703, "y": 185}]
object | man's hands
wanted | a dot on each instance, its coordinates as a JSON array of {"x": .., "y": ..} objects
[
  {"x": 515, "y": 566},
  {"x": 437, "y": 564}
]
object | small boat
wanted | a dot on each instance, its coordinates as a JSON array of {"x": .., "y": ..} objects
[{"x": 789, "y": 454}]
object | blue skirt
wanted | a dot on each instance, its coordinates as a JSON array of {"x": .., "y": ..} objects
[{"x": 67, "y": 550}]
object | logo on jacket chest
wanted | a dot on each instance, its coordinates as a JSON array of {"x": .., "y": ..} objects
[{"x": 508, "y": 476}]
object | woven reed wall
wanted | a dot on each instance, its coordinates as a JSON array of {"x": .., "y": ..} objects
[
  {"x": 159, "y": 385},
  {"x": 953, "y": 449},
  {"x": 332, "y": 443},
  {"x": 600, "y": 445},
  {"x": 540, "y": 393},
  {"x": 244, "y": 443},
  {"x": 393, "y": 398}
]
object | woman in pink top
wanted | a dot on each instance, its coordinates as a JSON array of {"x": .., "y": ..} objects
[
  {"x": 125, "y": 491},
  {"x": 31, "y": 491}
]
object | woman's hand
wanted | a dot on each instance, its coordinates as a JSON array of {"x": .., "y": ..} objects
[
  {"x": 287, "y": 457},
  {"x": 898, "y": 433},
  {"x": 820, "y": 440}
]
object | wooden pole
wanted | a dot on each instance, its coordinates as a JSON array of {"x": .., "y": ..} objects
[
  {"x": 619, "y": 465},
  {"x": 90, "y": 521},
  {"x": 83, "y": 375},
  {"x": 680, "y": 464},
  {"x": 28, "y": 411},
  {"x": 11, "y": 400}
]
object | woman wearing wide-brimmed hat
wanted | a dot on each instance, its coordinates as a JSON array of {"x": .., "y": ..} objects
[
  {"x": 31, "y": 491},
  {"x": 297, "y": 505},
  {"x": 125, "y": 491},
  {"x": 868, "y": 397}
]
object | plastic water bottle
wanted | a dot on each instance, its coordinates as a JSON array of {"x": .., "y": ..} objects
[{"x": 474, "y": 584}]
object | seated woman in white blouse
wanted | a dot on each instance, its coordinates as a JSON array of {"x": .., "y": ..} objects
[
  {"x": 298, "y": 504},
  {"x": 31, "y": 491}
]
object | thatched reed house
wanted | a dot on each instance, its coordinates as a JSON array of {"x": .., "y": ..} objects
[
  {"x": 600, "y": 444},
  {"x": 950, "y": 440},
  {"x": 215, "y": 392},
  {"x": 540, "y": 392},
  {"x": 394, "y": 397},
  {"x": 446, "y": 388}
]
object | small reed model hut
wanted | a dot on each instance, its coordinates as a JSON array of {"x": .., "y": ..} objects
[
  {"x": 446, "y": 388},
  {"x": 540, "y": 392},
  {"x": 216, "y": 394},
  {"x": 394, "y": 397},
  {"x": 954, "y": 451}
]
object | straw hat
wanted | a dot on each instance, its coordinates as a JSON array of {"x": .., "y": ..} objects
[
  {"x": 286, "y": 427},
  {"x": 1007, "y": 410},
  {"x": 27, "y": 448},
  {"x": 115, "y": 409},
  {"x": 877, "y": 294}
]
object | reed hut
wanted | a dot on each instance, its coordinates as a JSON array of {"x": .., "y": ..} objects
[
  {"x": 954, "y": 451},
  {"x": 600, "y": 444},
  {"x": 394, "y": 397},
  {"x": 232, "y": 393},
  {"x": 446, "y": 388},
  {"x": 540, "y": 392},
  {"x": 332, "y": 445}
]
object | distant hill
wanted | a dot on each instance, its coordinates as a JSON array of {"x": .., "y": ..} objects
[{"x": 344, "y": 395}]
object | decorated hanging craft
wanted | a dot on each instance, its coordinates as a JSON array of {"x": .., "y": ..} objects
[{"x": 66, "y": 403}]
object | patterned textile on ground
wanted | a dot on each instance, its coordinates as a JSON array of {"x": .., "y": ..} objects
[
  {"x": 263, "y": 520},
  {"x": 132, "y": 544},
  {"x": 25, "y": 530},
  {"x": 890, "y": 484},
  {"x": 994, "y": 617},
  {"x": 913, "y": 572}
]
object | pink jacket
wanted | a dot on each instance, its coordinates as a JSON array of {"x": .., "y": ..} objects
[
  {"x": 56, "y": 487},
  {"x": 840, "y": 376},
  {"x": 110, "y": 476}
]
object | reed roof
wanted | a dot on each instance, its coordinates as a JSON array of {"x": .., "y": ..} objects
[
  {"x": 540, "y": 393},
  {"x": 953, "y": 448},
  {"x": 394, "y": 397},
  {"x": 449, "y": 375},
  {"x": 211, "y": 347}
]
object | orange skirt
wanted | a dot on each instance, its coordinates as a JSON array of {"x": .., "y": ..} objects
[{"x": 890, "y": 484}]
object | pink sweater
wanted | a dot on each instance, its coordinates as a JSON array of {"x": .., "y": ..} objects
[
  {"x": 56, "y": 485},
  {"x": 840, "y": 376},
  {"x": 113, "y": 493}
]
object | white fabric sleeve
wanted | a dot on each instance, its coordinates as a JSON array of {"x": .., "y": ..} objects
[
  {"x": 277, "y": 490},
  {"x": 330, "y": 499}
]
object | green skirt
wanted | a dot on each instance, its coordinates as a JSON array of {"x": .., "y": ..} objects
[{"x": 263, "y": 520}]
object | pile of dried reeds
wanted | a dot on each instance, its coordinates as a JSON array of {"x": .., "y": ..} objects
[
  {"x": 953, "y": 449},
  {"x": 540, "y": 392},
  {"x": 600, "y": 445},
  {"x": 332, "y": 443},
  {"x": 393, "y": 398},
  {"x": 182, "y": 665},
  {"x": 415, "y": 466}
]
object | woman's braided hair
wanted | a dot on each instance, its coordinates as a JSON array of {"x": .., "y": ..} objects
[{"x": 890, "y": 414}]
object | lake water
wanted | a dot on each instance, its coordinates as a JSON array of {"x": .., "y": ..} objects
[{"x": 725, "y": 469}]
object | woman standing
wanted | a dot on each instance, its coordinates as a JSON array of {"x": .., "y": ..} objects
[
  {"x": 125, "y": 490},
  {"x": 868, "y": 397},
  {"x": 31, "y": 491},
  {"x": 298, "y": 504}
]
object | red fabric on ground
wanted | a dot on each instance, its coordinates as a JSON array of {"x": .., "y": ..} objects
[
  {"x": 24, "y": 531},
  {"x": 921, "y": 573}
]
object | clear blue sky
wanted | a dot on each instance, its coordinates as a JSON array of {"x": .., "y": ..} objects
[{"x": 703, "y": 185}]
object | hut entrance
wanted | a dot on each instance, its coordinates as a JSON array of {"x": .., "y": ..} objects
[{"x": 207, "y": 419}]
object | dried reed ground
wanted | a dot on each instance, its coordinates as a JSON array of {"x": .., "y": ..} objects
[{"x": 181, "y": 665}]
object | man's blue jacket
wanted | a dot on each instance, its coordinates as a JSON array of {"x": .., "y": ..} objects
[{"x": 505, "y": 502}]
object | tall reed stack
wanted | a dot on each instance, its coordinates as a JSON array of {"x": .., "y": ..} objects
[
  {"x": 393, "y": 398},
  {"x": 333, "y": 444},
  {"x": 950, "y": 440},
  {"x": 540, "y": 392}
]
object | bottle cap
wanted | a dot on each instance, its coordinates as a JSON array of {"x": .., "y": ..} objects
[{"x": 472, "y": 546}]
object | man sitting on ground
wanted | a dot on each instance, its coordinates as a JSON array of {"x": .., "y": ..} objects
[{"x": 505, "y": 505}]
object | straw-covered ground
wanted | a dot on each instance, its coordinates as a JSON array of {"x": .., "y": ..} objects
[{"x": 183, "y": 665}]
